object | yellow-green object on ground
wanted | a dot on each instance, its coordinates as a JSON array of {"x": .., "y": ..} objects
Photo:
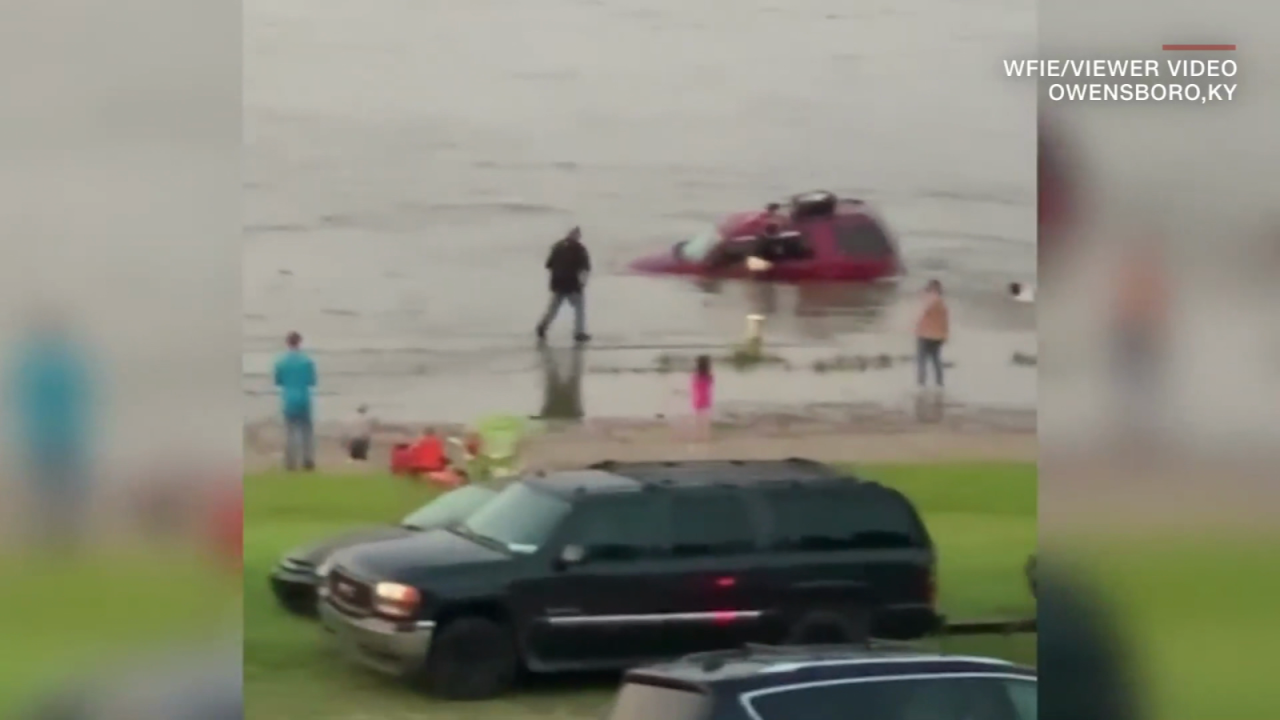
[{"x": 500, "y": 438}]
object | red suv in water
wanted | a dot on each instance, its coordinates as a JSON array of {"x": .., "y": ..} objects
[{"x": 831, "y": 239}]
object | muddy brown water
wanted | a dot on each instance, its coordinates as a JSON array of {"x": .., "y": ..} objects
[{"x": 408, "y": 163}]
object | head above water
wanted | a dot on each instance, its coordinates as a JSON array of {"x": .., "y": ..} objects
[
  {"x": 363, "y": 409},
  {"x": 702, "y": 365},
  {"x": 574, "y": 235},
  {"x": 773, "y": 208},
  {"x": 934, "y": 287},
  {"x": 293, "y": 340}
]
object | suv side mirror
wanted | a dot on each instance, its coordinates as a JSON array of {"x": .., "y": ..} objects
[{"x": 571, "y": 555}]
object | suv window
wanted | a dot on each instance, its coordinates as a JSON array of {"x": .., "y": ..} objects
[
  {"x": 861, "y": 237},
  {"x": 637, "y": 701},
  {"x": 711, "y": 524},
  {"x": 619, "y": 528},
  {"x": 938, "y": 698},
  {"x": 519, "y": 517},
  {"x": 816, "y": 519},
  {"x": 450, "y": 507}
]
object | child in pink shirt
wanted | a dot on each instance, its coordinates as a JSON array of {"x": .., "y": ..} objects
[{"x": 700, "y": 391}]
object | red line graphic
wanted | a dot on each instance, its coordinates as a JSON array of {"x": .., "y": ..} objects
[{"x": 1219, "y": 48}]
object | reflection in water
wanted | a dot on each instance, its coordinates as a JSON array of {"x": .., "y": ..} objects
[
  {"x": 929, "y": 407},
  {"x": 822, "y": 310},
  {"x": 828, "y": 308},
  {"x": 562, "y": 383}
]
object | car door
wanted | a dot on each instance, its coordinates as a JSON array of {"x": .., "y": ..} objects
[
  {"x": 863, "y": 251},
  {"x": 601, "y": 611},
  {"x": 714, "y": 574}
]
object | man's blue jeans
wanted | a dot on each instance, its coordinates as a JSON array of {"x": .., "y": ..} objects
[
  {"x": 928, "y": 352},
  {"x": 299, "y": 443},
  {"x": 575, "y": 301}
]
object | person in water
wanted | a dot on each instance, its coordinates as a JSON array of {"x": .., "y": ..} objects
[
  {"x": 932, "y": 331},
  {"x": 568, "y": 265},
  {"x": 772, "y": 247}
]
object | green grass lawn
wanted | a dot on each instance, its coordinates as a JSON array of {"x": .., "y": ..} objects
[
  {"x": 70, "y": 617},
  {"x": 982, "y": 517}
]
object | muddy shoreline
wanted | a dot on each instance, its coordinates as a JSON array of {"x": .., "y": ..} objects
[{"x": 930, "y": 430}]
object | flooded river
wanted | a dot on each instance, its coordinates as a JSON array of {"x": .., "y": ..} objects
[{"x": 409, "y": 162}]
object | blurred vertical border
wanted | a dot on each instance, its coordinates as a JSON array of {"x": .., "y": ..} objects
[
  {"x": 1158, "y": 379},
  {"x": 120, "y": 424}
]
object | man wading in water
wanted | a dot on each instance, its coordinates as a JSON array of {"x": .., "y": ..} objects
[{"x": 568, "y": 264}]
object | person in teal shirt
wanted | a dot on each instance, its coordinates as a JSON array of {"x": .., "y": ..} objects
[{"x": 295, "y": 375}]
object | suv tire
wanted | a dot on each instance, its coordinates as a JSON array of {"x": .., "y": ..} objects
[
  {"x": 829, "y": 626},
  {"x": 473, "y": 658}
]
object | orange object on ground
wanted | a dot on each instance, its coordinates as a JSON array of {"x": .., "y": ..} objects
[
  {"x": 427, "y": 455},
  {"x": 401, "y": 459},
  {"x": 425, "y": 459}
]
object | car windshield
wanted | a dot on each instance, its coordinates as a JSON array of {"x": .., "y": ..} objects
[
  {"x": 697, "y": 248},
  {"x": 450, "y": 507},
  {"x": 520, "y": 518}
]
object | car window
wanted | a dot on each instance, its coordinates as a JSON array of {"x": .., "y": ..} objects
[
  {"x": 1025, "y": 696},
  {"x": 697, "y": 248},
  {"x": 918, "y": 698},
  {"x": 817, "y": 519},
  {"x": 450, "y": 507},
  {"x": 519, "y": 517},
  {"x": 638, "y": 701},
  {"x": 860, "y": 237},
  {"x": 619, "y": 529},
  {"x": 710, "y": 524}
]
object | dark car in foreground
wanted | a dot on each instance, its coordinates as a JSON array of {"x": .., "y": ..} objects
[
  {"x": 626, "y": 563},
  {"x": 867, "y": 682},
  {"x": 295, "y": 578}
]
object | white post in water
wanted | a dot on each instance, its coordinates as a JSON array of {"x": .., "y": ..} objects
[{"x": 755, "y": 334}]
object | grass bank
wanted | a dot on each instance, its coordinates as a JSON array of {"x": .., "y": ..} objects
[{"x": 982, "y": 516}]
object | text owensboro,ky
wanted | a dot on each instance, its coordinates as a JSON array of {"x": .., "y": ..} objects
[{"x": 1172, "y": 80}]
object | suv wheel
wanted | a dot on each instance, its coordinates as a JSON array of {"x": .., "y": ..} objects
[
  {"x": 472, "y": 658},
  {"x": 829, "y": 626}
]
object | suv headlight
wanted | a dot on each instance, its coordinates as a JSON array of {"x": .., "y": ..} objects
[{"x": 395, "y": 600}]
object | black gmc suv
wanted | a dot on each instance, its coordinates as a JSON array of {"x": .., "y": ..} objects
[{"x": 625, "y": 563}]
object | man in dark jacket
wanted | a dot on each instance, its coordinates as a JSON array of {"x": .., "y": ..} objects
[{"x": 568, "y": 265}]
